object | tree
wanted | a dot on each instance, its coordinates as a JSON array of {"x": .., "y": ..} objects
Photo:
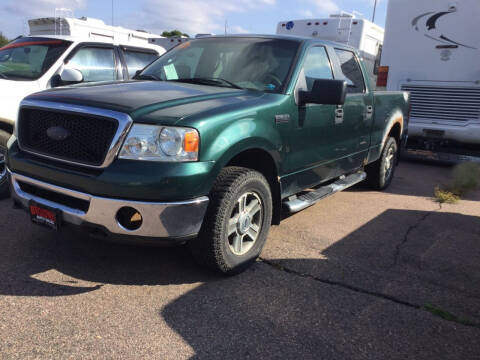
[
  {"x": 3, "y": 40},
  {"x": 174, "y": 33}
]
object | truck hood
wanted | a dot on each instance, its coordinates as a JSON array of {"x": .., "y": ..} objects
[
  {"x": 11, "y": 93},
  {"x": 152, "y": 100}
]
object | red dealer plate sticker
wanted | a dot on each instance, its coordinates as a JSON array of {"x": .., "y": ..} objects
[{"x": 44, "y": 215}]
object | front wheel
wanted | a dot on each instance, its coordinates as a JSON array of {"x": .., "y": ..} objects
[
  {"x": 237, "y": 221},
  {"x": 4, "y": 188},
  {"x": 380, "y": 173}
]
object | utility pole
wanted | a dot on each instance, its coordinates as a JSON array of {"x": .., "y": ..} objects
[
  {"x": 374, "y": 11},
  {"x": 225, "y": 27}
]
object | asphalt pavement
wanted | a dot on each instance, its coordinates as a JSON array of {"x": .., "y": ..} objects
[{"x": 360, "y": 275}]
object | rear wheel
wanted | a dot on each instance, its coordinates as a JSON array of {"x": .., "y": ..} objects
[
  {"x": 380, "y": 173},
  {"x": 237, "y": 221}
]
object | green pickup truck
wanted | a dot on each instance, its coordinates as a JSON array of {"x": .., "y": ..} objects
[{"x": 210, "y": 144}]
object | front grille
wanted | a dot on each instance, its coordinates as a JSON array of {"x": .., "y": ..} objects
[
  {"x": 66, "y": 200},
  {"x": 85, "y": 139},
  {"x": 444, "y": 103}
]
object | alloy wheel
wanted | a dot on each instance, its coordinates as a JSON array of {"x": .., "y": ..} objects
[
  {"x": 389, "y": 162},
  {"x": 3, "y": 167},
  {"x": 245, "y": 223}
]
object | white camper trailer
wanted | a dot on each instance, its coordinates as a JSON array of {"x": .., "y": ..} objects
[
  {"x": 344, "y": 28},
  {"x": 432, "y": 49},
  {"x": 169, "y": 42}
]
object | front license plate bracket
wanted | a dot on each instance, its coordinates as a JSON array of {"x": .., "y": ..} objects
[{"x": 45, "y": 215}]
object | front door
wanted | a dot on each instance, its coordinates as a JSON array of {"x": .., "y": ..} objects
[{"x": 310, "y": 159}]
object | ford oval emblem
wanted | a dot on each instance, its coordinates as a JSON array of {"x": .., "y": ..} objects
[{"x": 58, "y": 133}]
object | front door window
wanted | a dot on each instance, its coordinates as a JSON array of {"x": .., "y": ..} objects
[{"x": 95, "y": 63}]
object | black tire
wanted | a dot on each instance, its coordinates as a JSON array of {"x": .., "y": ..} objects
[
  {"x": 380, "y": 173},
  {"x": 4, "y": 186},
  {"x": 213, "y": 247}
]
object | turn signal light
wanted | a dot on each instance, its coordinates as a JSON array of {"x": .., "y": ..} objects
[{"x": 191, "y": 142}]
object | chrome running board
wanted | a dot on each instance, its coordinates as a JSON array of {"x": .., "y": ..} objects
[{"x": 298, "y": 203}]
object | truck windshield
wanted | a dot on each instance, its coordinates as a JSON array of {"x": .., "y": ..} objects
[
  {"x": 29, "y": 58},
  {"x": 253, "y": 63}
]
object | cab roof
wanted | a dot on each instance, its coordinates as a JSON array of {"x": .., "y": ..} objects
[{"x": 301, "y": 39}]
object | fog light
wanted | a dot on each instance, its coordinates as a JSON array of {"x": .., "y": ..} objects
[{"x": 129, "y": 218}]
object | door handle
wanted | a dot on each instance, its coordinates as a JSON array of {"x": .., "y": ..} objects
[
  {"x": 338, "y": 115},
  {"x": 368, "y": 112}
]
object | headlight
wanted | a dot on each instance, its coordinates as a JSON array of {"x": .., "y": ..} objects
[
  {"x": 160, "y": 143},
  {"x": 171, "y": 141}
]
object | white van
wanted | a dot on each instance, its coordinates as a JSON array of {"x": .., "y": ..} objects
[
  {"x": 61, "y": 51},
  {"x": 343, "y": 28},
  {"x": 433, "y": 50}
]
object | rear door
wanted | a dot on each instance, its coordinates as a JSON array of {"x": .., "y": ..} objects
[{"x": 354, "y": 119}]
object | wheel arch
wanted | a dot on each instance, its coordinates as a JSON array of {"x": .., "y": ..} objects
[
  {"x": 263, "y": 161},
  {"x": 394, "y": 128}
]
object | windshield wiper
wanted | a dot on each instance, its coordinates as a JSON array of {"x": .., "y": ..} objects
[
  {"x": 209, "y": 81},
  {"x": 147, "y": 77},
  {"x": 3, "y": 76}
]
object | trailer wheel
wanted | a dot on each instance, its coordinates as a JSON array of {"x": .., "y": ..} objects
[{"x": 380, "y": 173}]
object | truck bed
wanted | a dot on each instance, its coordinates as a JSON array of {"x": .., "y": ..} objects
[{"x": 389, "y": 106}]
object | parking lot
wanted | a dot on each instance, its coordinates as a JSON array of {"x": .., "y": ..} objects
[{"x": 361, "y": 275}]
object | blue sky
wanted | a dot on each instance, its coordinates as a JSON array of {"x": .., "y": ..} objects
[{"x": 191, "y": 16}]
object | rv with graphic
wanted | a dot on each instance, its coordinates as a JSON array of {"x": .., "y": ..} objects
[{"x": 432, "y": 51}]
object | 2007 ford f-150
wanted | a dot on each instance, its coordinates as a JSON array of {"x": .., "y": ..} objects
[{"x": 208, "y": 145}]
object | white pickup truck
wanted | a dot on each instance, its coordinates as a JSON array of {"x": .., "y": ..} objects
[{"x": 62, "y": 51}]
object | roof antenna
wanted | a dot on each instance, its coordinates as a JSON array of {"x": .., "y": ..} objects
[
  {"x": 374, "y": 11},
  {"x": 113, "y": 28}
]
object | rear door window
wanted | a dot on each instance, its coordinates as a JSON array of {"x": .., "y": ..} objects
[
  {"x": 351, "y": 70},
  {"x": 95, "y": 63},
  {"x": 137, "y": 60}
]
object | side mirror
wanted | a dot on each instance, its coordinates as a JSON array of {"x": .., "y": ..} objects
[
  {"x": 71, "y": 76},
  {"x": 325, "y": 92},
  {"x": 67, "y": 77}
]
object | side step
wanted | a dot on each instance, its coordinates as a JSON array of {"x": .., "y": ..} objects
[{"x": 298, "y": 203}]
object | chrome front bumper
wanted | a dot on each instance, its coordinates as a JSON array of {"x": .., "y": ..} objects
[{"x": 159, "y": 220}]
